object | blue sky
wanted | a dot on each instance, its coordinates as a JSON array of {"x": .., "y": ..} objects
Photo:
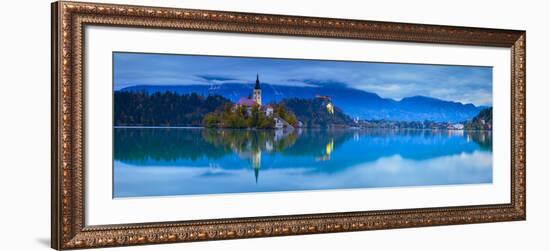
[{"x": 466, "y": 84}]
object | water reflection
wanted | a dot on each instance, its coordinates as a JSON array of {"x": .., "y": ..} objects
[{"x": 218, "y": 161}]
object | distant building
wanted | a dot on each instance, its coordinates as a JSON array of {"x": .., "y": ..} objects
[
  {"x": 457, "y": 126},
  {"x": 269, "y": 111},
  {"x": 327, "y": 101},
  {"x": 279, "y": 123}
]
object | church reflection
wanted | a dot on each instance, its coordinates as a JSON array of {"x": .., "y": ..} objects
[{"x": 251, "y": 144}]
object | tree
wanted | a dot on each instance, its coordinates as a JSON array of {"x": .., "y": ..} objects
[{"x": 212, "y": 120}]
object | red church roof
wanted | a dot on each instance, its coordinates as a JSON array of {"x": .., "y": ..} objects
[{"x": 246, "y": 102}]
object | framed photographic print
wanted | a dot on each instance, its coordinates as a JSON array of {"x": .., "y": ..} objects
[{"x": 177, "y": 125}]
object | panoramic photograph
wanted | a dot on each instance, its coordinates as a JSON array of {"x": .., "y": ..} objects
[{"x": 200, "y": 125}]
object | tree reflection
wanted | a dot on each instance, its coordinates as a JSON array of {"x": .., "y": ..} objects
[
  {"x": 483, "y": 138},
  {"x": 138, "y": 145},
  {"x": 246, "y": 141}
]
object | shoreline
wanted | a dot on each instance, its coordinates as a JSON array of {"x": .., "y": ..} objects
[
  {"x": 299, "y": 128},
  {"x": 159, "y": 127}
]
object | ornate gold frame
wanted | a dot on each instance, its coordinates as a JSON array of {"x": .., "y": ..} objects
[{"x": 68, "y": 226}]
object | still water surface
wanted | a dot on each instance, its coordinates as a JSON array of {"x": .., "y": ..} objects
[{"x": 186, "y": 161}]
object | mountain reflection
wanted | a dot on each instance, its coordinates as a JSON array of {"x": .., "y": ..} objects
[
  {"x": 326, "y": 150},
  {"x": 216, "y": 157}
]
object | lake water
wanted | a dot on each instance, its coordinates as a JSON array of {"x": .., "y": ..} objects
[{"x": 192, "y": 161}]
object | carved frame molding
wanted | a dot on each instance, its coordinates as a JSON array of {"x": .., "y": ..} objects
[{"x": 68, "y": 225}]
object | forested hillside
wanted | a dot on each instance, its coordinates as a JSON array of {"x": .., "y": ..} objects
[{"x": 163, "y": 109}]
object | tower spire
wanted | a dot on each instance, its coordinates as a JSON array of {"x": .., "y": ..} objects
[
  {"x": 257, "y": 86},
  {"x": 257, "y": 93}
]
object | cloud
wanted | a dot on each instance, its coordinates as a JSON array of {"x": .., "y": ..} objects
[
  {"x": 391, "y": 171},
  {"x": 216, "y": 78},
  {"x": 466, "y": 84}
]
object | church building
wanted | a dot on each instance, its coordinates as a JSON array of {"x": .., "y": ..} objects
[{"x": 256, "y": 98}]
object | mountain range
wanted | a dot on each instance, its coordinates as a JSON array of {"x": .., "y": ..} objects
[{"x": 356, "y": 103}]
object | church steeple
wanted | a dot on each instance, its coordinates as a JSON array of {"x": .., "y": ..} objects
[
  {"x": 257, "y": 94},
  {"x": 257, "y": 87}
]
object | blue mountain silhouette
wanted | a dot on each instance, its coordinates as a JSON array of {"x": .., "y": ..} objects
[{"x": 356, "y": 103}]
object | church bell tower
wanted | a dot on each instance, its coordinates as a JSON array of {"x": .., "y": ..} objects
[{"x": 257, "y": 91}]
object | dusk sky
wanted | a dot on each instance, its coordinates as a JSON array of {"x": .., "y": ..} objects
[{"x": 466, "y": 84}]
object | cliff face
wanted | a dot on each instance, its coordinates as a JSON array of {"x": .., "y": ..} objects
[
  {"x": 315, "y": 113},
  {"x": 482, "y": 121}
]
